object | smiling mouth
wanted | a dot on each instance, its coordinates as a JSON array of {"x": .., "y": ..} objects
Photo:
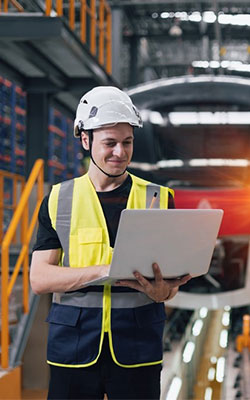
[{"x": 117, "y": 161}]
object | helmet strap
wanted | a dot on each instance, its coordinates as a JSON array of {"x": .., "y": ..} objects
[{"x": 91, "y": 137}]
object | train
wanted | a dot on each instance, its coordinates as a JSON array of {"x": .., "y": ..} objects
[{"x": 196, "y": 140}]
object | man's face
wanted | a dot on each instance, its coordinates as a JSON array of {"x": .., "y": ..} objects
[{"x": 112, "y": 147}]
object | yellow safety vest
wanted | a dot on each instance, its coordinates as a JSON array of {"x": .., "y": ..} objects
[{"x": 77, "y": 216}]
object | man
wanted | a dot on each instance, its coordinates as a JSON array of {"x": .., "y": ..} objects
[{"x": 102, "y": 339}]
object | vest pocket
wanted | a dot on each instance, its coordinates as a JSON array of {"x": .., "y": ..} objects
[
  {"x": 63, "y": 334},
  {"x": 90, "y": 241},
  {"x": 149, "y": 314}
]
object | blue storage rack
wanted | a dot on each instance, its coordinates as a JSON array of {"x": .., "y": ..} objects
[{"x": 64, "y": 151}]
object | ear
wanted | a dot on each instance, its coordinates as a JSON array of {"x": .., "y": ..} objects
[{"x": 85, "y": 140}]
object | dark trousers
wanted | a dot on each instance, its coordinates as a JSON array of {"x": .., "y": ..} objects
[{"x": 105, "y": 377}]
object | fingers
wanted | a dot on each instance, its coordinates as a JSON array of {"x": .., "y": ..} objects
[
  {"x": 172, "y": 293},
  {"x": 141, "y": 283},
  {"x": 178, "y": 281},
  {"x": 131, "y": 284},
  {"x": 157, "y": 272}
]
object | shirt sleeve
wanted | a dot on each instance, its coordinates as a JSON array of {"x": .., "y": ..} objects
[{"x": 47, "y": 238}]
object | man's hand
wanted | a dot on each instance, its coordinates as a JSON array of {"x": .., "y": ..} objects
[{"x": 159, "y": 289}]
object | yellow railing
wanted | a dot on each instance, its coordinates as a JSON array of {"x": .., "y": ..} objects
[
  {"x": 21, "y": 214},
  {"x": 95, "y": 20},
  {"x": 15, "y": 3},
  {"x": 17, "y": 182}
]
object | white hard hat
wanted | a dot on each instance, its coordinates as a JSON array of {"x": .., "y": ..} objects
[{"x": 105, "y": 105}]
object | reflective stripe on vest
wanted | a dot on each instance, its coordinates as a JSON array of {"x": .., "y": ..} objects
[
  {"x": 95, "y": 299},
  {"x": 64, "y": 216}
]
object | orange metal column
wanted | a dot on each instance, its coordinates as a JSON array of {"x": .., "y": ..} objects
[
  {"x": 93, "y": 28},
  {"x": 101, "y": 32}
]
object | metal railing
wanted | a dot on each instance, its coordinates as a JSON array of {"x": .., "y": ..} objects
[
  {"x": 9, "y": 205},
  {"x": 7, "y": 283},
  {"x": 5, "y": 5},
  {"x": 95, "y": 23}
]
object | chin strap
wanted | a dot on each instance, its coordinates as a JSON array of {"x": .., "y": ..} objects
[{"x": 90, "y": 132}]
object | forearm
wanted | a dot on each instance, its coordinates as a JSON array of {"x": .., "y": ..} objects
[{"x": 46, "y": 277}]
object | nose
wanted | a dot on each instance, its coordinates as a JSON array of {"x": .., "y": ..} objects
[{"x": 118, "y": 150}]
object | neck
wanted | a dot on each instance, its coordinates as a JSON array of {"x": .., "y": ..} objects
[{"x": 103, "y": 183}]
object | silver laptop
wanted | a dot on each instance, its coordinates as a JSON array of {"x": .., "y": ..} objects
[{"x": 180, "y": 241}]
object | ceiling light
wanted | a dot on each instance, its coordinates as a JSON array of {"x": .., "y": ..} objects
[
  {"x": 225, "y": 318},
  {"x": 214, "y": 64},
  {"x": 223, "y": 338},
  {"x": 179, "y": 118},
  {"x": 164, "y": 15},
  {"x": 220, "y": 369},
  {"x": 182, "y": 15},
  {"x": 203, "y": 312},
  {"x": 195, "y": 16},
  {"x": 170, "y": 163},
  {"x": 238, "y": 19},
  {"x": 211, "y": 374},
  {"x": 209, "y": 17},
  {"x": 156, "y": 118},
  {"x": 174, "y": 389},
  {"x": 188, "y": 352},
  {"x": 208, "y": 393},
  {"x": 197, "y": 327}
]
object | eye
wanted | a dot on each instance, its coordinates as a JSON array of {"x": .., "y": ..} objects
[
  {"x": 110, "y": 144},
  {"x": 127, "y": 143}
]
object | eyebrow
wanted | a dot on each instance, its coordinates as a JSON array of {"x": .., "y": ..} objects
[{"x": 114, "y": 139}]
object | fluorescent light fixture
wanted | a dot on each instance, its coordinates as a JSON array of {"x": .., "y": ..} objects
[
  {"x": 188, "y": 352},
  {"x": 164, "y": 15},
  {"x": 182, "y": 15},
  {"x": 225, "y": 318},
  {"x": 145, "y": 115},
  {"x": 223, "y": 338},
  {"x": 208, "y": 393},
  {"x": 203, "y": 312},
  {"x": 209, "y": 118},
  {"x": 143, "y": 166},
  {"x": 174, "y": 389},
  {"x": 197, "y": 327},
  {"x": 209, "y": 17},
  {"x": 220, "y": 369},
  {"x": 230, "y": 65},
  {"x": 156, "y": 118},
  {"x": 238, "y": 19},
  {"x": 213, "y": 360},
  {"x": 170, "y": 163},
  {"x": 211, "y": 374},
  {"x": 214, "y": 64},
  {"x": 218, "y": 162},
  {"x": 195, "y": 16}
]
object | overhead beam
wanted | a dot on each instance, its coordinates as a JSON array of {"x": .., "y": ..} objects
[
  {"x": 11, "y": 72},
  {"x": 124, "y": 3},
  {"x": 44, "y": 64},
  {"x": 29, "y": 26}
]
